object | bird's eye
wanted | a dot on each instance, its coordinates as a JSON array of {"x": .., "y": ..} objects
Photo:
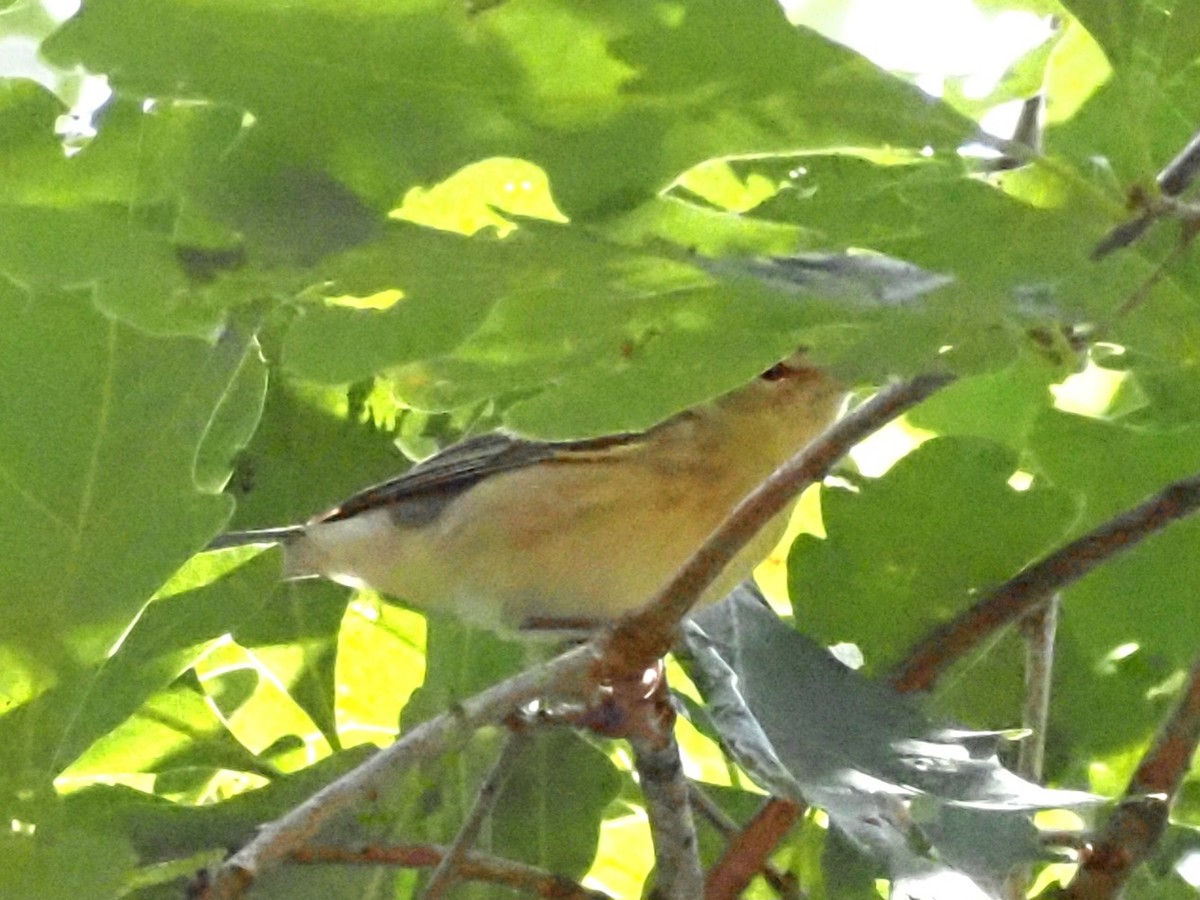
[{"x": 776, "y": 372}]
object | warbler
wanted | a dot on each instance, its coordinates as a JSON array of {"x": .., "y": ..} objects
[{"x": 512, "y": 533}]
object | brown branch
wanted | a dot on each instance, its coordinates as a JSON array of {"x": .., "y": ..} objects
[
  {"x": 642, "y": 637},
  {"x": 565, "y": 675},
  {"x": 1140, "y": 819},
  {"x": 747, "y": 853},
  {"x": 473, "y": 866},
  {"x": 782, "y": 883},
  {"x": 946, "y": 645}
]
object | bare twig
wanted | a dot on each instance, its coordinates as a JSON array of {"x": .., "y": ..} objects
[
  {"x": 1134, "y": 300},
  {"x": 1175, "y": 178},
  {"x": 677, "y": 872},
  {"x": 1124, "y": 234},
  {"x": 1013, "y": 599},
  {"x": 1038, "y": 629},
  {"x": 1027, "y": 133},
  {"x": 1017, "y": 151},
  {"x": 447, "y": 871},
  {"x": 473, "y": 866},
  {"x": 1140, "y": 819},
  {"x": 706, "y": 807},
  {"x": 646, "y": 635},
  {"x": 1177, "y": 175},
  {"x": 563, "y": 676},
  {"x": 748, "y": 852}
]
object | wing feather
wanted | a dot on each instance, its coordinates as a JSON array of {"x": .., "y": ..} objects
[{"x": 460, "y": 466}]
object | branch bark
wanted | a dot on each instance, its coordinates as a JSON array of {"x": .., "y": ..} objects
[
  {"x": 1138, "y": 823},
  {"x": 677, "y": 871},
  {"x": 939, "y": 650}
]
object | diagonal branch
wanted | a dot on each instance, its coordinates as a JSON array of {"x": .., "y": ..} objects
[
  {"x": 1018, "y": 596},
  {"x": 1140, "y": 819},
  {"x": 749, "y": 850},
  {"x": 646, "y": 635}
]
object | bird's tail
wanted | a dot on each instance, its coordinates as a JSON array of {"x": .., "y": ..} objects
[{"x": 258, "y": 536}]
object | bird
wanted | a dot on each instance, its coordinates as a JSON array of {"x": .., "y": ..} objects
[{"x": 514, "y": 534}]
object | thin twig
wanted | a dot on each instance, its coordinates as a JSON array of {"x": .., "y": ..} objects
[
  {"x": 1027, "y": 133},
  {"x": 1038, "y": 631},
  {"x": 677, "y": 872},
  {"x": 946, "y": 645},
  {"x": 642, "y": 637},
  {"x": 1177, "y": 175},
  {"x": 565, "y": 675},
  {"x": 1175, "y": 178},
  {"x": 1018, "y": 151},
  {"x": 473, "y": 866},
  {"x": 1140, "y": 819},
  {"x": 446, "y": 873},
  {"x": 705, "y": 806},
  {"x": 1134, "y": 300},
  {"x": 748, "y": 852}
]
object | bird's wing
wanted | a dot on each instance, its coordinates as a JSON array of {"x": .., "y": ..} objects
[{"x": 460, "y": 466}]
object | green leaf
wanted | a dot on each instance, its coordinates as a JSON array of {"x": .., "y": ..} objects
[
  {"x": 380, "y": 663},
  {"x": 1110, "y": 466},
  {"x": 305, "y": 619},
  {"x": 175, "y": 736},
  {"x": 132, "y": 271},
  {"x": 52, "y": 731},
  {"x": 603, "y": 337},
  {"x": 159, "y": 829},
  {"x": 532, "y": 824},
  {"x": 998, "y": 406},
  {"x": 911, "y": 549},
  {"x": 27, "y": 115},
  {"x": 304, "y": 459},
  {"x": 100, "y": 440},
  {"x": 64, "y": 863},
  {"x": 1162, "y": 36},
  {"x": 460, "y": 662},
  {"x": 613, "y": 102},
  {"x": 920, "y": 800}
]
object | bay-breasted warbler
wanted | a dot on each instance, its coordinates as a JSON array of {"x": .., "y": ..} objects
[{"x": 509, "y": 533}]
